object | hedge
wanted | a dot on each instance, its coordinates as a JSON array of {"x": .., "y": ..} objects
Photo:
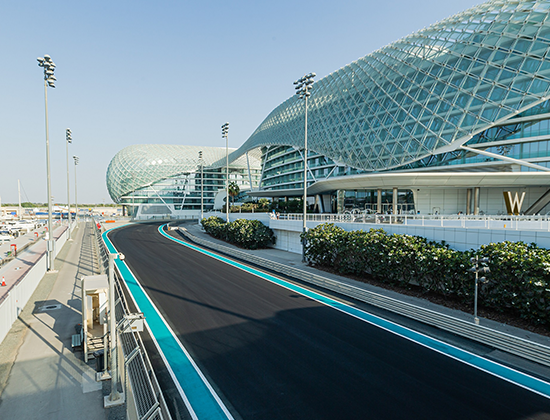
[
  {"x": 519, "y": 280},
  {"x": 249, "y": 234}
]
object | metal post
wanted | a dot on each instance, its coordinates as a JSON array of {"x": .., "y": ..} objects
[
  {"x": 51, "y": 243},
  {"x": 476, "y": 319},
  {"x": 19, "y": 210},
  {"x": 303, "y": 87},
  {"x": 114, "y": 397},
  {"x": 476, "y": 261},
  {"x": 75, "y": 189},
  {"x": 226, "y": 179},
  {"x": 304, "y": 224},
  {"x": 202, "y": 187},
  {"x": 133, "y": 195},
  {"x": 225, "y": 133},
  {"x": 49, "y": 80},
  {"x": 68, "y": 139}
]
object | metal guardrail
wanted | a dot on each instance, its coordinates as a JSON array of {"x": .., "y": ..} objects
[
  {"x": 102, "y": 253},
  {"x": 137, "y": 371},
  {"x": 501, "y": 222},
  {"x": 522, "y": 222},
  {"x": 515, "y": 345}
]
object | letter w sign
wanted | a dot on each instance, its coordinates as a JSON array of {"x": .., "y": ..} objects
[{"x": 513, "y": 204}]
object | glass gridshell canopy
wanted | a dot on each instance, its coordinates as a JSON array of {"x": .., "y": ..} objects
[
  {"x": 138, "y": 166},
  {"x": 425, "y": 94}
]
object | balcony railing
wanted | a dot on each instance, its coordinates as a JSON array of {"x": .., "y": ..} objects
[{"x": 448, "y": 221}]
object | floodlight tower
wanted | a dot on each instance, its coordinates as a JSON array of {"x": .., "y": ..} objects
[
  {"x": 76, "y": 159},
  {"x": 69, "y": 139},
  {"x": 201, "y": 161},
  {"x": 225, "y": 132},
  {"x": 49, "y": 81},
  {"x": 303, "y": 88}
]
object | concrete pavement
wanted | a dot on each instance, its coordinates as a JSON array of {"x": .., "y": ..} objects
[{"x": 40, "y": 376}]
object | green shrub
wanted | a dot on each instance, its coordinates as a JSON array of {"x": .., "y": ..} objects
[
  {"x": 519, "y": 280},
  {"x": 215, "y": 226},
  {"x": 249, "y": 234}
]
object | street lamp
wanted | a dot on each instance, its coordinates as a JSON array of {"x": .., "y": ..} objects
[
  {"x": 133, "y": 196},
  {"x": 303, "y": 87},
  {"x": 49, "y": 80},
  {"x": 69, "y": 139},
  {"x": 202, "y": 186},
  {"x": 480, "y": 266},
  {"x": 225, "y": 131},
  {"x": 75, "y": 190}
]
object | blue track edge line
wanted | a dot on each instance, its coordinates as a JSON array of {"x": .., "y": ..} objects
[
  {"x": 203, "y": 403},
  {"x": 494, "y": 368}
]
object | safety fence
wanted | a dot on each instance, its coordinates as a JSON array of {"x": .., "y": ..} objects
[
  {"x": 527, "y": 349},
  {"x": 449, "y": 221},
  {"x": 144, "y": 399},
  {"x": 531, "y": 223}
]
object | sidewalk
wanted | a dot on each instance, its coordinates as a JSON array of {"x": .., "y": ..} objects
[{"x": 40, "y": 376}]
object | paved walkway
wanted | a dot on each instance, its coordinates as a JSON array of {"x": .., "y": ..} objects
[{"x": 40, "y": 376}]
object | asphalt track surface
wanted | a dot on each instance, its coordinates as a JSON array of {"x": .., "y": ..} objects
[{"x": 271, "y": 353}]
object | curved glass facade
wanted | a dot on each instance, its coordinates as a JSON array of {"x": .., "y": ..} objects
[
  {"x": 424, "y": 95},
  {"x": 163, "y": 179},
  {"x": 468, "y": 94}
]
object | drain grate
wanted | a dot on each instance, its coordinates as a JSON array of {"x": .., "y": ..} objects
[{"x": 48, "y": 308}]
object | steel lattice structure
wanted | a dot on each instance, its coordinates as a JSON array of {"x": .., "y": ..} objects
[
  {"x": 425, "y": 94},
  {"x": 142, "y": 165}
]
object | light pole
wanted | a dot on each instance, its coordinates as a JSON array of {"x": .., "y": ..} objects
[
  {"x": 49, "y": 80},
  {"x": 303, "y": 88},
  {"x": 69, "y": 139},
  {"x": 75, "y": 190},
  {"x": 480, "y": 266},
  {"x": 202, "y": 186},
  {"x": 133, "y": 196},
  {"x": 225, "y": 132}
]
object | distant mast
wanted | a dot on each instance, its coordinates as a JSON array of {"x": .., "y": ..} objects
[{"x": 19, "y": 212}]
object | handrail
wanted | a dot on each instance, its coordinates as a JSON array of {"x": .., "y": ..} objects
[
  {"x": 522, "y": 222},
  {"x": 501, "y": 222}
]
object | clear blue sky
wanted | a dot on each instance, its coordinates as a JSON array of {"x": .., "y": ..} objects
[{"x": 167, "y": 72}]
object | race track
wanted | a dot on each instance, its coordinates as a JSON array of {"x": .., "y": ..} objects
[{"x": 272, "y": 353}]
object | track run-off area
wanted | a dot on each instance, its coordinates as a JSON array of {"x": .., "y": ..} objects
[{"x": 241, "y": 343}]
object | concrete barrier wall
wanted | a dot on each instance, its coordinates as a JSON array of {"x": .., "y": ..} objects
[
  {"x": 457, "y": 236},
  {"x": 461, "y": 239}
]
